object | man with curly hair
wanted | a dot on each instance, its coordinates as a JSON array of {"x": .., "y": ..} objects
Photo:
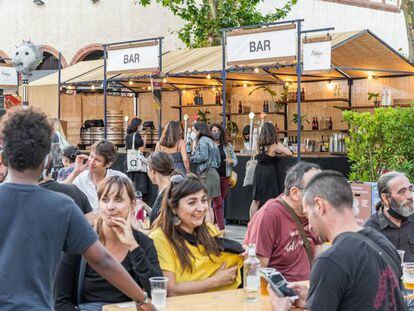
[{"x": 36, "y": 224}]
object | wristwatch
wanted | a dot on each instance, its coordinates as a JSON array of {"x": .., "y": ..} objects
[{"x": 144, "y": 301}]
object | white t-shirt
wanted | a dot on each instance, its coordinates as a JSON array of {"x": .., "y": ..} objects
[{"x": 85, "y": 184}]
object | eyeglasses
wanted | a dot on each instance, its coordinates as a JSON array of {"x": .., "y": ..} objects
[{"x": 176, "y": 179}]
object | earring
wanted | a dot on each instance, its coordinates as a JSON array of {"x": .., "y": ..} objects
[{"x": 176, "y": 221}]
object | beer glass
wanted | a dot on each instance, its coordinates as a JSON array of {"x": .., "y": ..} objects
[
  {"x": 408, "y": 275},
  {"x": 263, "y": 282}
]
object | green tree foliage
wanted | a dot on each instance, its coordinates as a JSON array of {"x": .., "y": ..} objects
[
  {"x": 204, "y": 18},
  {"x": 380, "y": 141}
]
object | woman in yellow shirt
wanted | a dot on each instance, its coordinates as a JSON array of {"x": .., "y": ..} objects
[{"x": 192, "y": 255}]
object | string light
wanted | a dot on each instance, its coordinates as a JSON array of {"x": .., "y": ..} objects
[
  {"x": 93, "y": 87},
  {"x": 149, "y": 88},
  {"x": 370, "y": 77},
  {"x": 244, "y": 84},
  {"x": 256, "y": 70},
  {"x": 184, "y": 91},
  {"x": 130, "y": 82},
  {"x": 209, "y": 76},
  {"x": 164, "y": 80}
]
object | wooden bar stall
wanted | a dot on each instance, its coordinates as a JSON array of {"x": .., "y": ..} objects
[{"x": 190, "y": 82}]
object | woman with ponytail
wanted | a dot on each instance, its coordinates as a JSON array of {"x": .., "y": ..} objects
[
  {"x": 192, "y": 254},
  {"x": 134, "y": 250}
]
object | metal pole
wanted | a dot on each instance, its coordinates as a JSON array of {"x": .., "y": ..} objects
[
  {"x": 298, "y": 91},
  {"x": 59, "y": 81},
  {"x": 104, "y": 91},
  {"x": 136, "y": 111},
  {"x": 223, "y": 77}
]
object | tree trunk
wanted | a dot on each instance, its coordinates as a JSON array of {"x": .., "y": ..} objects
[
  {"x": 408, "y": 8},
  {"x": 213, "y": 8}
]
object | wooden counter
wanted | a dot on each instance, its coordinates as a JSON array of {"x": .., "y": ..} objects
[{"x": 216, "y": 301}]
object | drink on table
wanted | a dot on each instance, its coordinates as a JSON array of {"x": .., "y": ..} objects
[
  {"x": 159, "y": 291},
  {"x": 251, "y": 274},
  {"x": 401, "y": 253},
  {"x": 408, "y": 275},
  {"x": 263, "y": 282}
]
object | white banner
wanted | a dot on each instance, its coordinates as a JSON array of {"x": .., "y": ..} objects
[
  {"x": 317, "y": 56},
  {"x": 261, "y": 45},
  {"x": 8, "y": 76},
  {"x": 143, "y": 56}
]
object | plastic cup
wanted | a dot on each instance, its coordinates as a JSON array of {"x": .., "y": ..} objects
[
  {"x": 401, "y": 253},
  {"x": 263, "y": 282},
  {"x": 159, "y": 291},
  {"x": 408, "y": 275}
]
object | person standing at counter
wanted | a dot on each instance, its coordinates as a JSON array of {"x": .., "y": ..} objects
[
  {"x": 139, "y": 179},
  {"x": 172, "y": 143},
  {"x": 206, "y": 156},
  {"x": 227, "y": 160},
  {"x": 265, "y": 185}
]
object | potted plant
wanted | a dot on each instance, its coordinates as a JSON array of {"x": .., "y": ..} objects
[
  {"x": 374, "y": 96},
  {"x": 233, "y": 129},
  {"x": 303, "y": 120},
  {"x": 203, "y": 116},
  {"x": 272, "y": 94}
]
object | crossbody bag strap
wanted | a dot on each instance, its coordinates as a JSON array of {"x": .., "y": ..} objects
[
  {"x": 81, "y": 279},
  {"x": 133, "y": 141},
  {"x": 301, "y": 230},
  {"x": 380, "y": 251}
]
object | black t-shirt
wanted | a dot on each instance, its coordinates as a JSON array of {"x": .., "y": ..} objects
[
  {"x": 36, "y": 225},
  {"x": 222, "y": 168},
  {"x": 265, "y": 185},
  {"x": 72, "y": 191},
  {"x": 351, "y": 276}
]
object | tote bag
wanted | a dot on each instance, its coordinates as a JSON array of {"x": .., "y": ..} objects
[
  {"x": 136, "y": 161},
  {"x": 250, "y": 169}
]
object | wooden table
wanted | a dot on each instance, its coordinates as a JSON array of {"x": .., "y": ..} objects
[{"x": 230, "y": 300}]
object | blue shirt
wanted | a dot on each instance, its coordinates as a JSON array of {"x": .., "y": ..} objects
[{"x": 36, "y": 225}]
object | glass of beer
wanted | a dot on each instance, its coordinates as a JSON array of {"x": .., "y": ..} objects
[
  {"x": 263, "y": 282},
  {"x": 408, "y": 275}
]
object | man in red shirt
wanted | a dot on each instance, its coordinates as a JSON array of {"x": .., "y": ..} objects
[{"x": 278, "y": 227}]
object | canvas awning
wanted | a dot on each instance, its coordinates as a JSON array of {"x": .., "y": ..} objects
[{"x": 355, "y": 55}]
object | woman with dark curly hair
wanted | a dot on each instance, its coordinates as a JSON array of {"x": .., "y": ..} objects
[
  {"x": 265, "y": 185},
  {"x": 68, "y": 160}
]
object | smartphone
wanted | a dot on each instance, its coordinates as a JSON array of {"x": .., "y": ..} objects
[{"x": 279, "y": 285}]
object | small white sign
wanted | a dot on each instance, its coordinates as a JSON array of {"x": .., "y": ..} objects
[
  {"x": 133, "y": 58},
  {"x": 317, "y": 56},
  {"x": 265, "y": 46},
  {"x": 8, "y": 76}
]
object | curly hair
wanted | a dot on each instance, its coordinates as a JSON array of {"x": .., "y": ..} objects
[
  {"x": 223, "y": 135},
  {"x": 27, "y": 136}
]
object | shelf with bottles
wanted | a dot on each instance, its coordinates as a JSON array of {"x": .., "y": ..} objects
[
  {"x": 317, "y": 100},
  {"x": 258, "y": 113},
  {"x": 371, "y": 107},
  {"x": 334, "y": 143},
  {"x": 314, "y": 131},
  {"x": 195, "y": 106}
]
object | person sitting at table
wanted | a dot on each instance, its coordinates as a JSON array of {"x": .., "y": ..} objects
[
  {"x": 192, "y": 255},
  {"x": 68, "y": 160},
  {"x": 133, "y": 249}
]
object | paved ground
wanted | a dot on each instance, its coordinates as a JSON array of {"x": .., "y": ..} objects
[{"x": 236, "y": 232}]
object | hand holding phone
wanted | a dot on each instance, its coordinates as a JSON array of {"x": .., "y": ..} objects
[{"x": 280, "y": 286}]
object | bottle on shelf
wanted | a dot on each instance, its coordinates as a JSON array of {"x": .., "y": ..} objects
[
  {"x": 302, "y": 94},
  {"x": 267, "y": 106},
  {"x": 327, "y": 143},
  {"x": 313, "y": 124},
  {"x": 251, "y": 276},
  {"x": 323, "y": 124},
  {"x": 295, "y": 144},
  {"x": 218, "y": 99},
  {"x": 322, "y": 146},
  {"x": 330, "y": 123},
  {"x": 240, "y": 108},
  {"x": 316, "y": 124}
]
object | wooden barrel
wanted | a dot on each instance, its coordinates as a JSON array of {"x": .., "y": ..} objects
[
  {"x": 115, "y": 135},
  {"x": 85, "y": 136},
  {"x": 115, "y": 118},
  {"x": 97, "y": 134}
]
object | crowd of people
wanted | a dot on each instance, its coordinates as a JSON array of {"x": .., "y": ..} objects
[{"x": 76, "y": 243}]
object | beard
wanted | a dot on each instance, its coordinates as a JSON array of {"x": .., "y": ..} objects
[{"x": 405, "y": 208}]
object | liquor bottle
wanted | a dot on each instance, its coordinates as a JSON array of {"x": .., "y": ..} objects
[
  {"x": 302, "y": 94},
  {"x": 264, "y": 106},
  {"x": 330, "y": 123},
  {"x": 218, "y": 99},
  {"x": 295, "y": 144},
  {"x": 251, "y": 274},
  {"x": 316, "y": 124},
  {"x": 240, "y": 109},
  {"x": 327, "y": 143},
  {"x": 267, "y": 106},
  {"x": 313, "y": 124}
]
